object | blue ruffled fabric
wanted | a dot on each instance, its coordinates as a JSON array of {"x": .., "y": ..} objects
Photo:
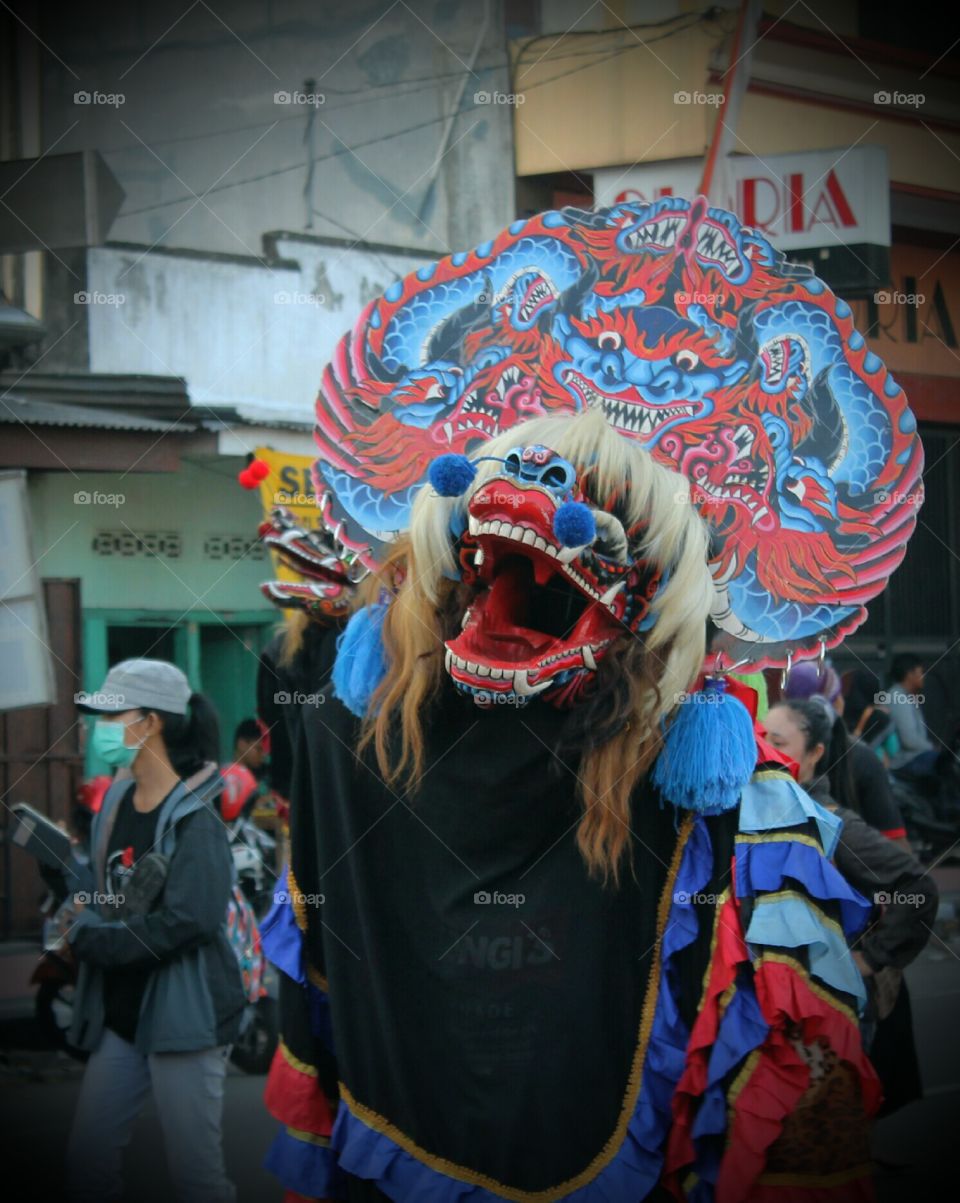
[
  {"x": 280, "y": 937},
  {"x": 638, "y": 1163},
  {"x": 307, "y": 1168},
  {"x": 780, "y": 802},
  {"x": 793, "y": 923},
  {"x": 764, "y": 867}
]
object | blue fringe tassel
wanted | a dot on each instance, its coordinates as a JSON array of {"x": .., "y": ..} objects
[
  {"x": 360, "y": 665},
  {"x": 709, "y": 752}
]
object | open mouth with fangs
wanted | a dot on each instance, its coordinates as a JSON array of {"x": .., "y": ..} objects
[{"x": 540, "y": 615}]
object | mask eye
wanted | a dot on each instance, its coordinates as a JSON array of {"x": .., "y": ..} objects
[
  {"x": 686, "y": 361},
  {"x": 609, "y": 340}
]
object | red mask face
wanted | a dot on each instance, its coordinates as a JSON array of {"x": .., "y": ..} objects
[{"x": 549, "y": 598}]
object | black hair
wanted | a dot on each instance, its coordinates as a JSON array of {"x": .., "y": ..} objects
[
  {"x": 248, "y": 729},
  {"x": 902, "y": 664},
  {"x": 820, "y": 725},
  {"x": 191, "y": 739}
]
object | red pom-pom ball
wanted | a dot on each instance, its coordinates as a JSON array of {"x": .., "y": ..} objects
[
  {"x": 248, "y": 481},
  {"x": 259, "y": 469}
]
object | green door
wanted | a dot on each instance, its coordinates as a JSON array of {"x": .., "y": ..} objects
[{"x": 228, "y": 669}]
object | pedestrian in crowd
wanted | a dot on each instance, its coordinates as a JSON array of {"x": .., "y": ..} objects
[
  {"x": 856, "y": 775},
  {"x": 866, "y": 719},
  {"x": 917, "y": 759},
  {"x": 905, "y": 897},
  {"x": 159, "y": 996},
  {"x": 250, "y": 746}
]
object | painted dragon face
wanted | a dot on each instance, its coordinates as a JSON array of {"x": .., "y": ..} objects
[
  {"x": 542, "y": 613},
  {"x": 321, "y": 570},
  {"x": 648, "y": 369}
]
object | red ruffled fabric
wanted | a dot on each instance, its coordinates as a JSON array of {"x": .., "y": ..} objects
[
  {"x": 296, "y": 1099},
  {"x": 779, "y": 1080}
]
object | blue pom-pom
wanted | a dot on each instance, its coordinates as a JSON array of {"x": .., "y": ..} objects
[
  {"x": 573, "y": 524},
  {"x": 361, "y": 663},
  {"x": 709, "y": 752},
  {"x": 451, "y": 475}
]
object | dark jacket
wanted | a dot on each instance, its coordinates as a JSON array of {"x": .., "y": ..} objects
[
  {"x": 194, "y": 998},
  {"x": 904, "y": 895}
]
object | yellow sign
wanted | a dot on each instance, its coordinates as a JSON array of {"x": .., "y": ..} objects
[{"x": 289, "y": 484}]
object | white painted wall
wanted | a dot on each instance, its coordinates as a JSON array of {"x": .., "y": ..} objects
[{"x": 240, "y": 334}]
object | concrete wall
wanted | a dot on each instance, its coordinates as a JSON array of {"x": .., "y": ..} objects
[
  {"x": 239, "y": 333},
  {"x": 199, "y": 116}
]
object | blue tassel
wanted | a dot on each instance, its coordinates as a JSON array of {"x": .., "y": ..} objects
[
  {"x": 451, "y": 475},
  {"x": 574, "y": 525},
  {"x": 361, "y": 663},
  {"x": 709, "y": 752}
]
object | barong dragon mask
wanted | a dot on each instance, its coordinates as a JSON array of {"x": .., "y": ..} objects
[{"x": 693, "y": 336}]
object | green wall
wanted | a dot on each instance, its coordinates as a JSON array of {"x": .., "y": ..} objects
[{"x": 198, "y": 501}]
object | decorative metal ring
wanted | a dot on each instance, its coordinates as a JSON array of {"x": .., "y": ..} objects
[{"x": 786, "y": 670}]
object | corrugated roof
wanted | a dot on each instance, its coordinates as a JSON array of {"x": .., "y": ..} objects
[{"x": 52, "y": 413}]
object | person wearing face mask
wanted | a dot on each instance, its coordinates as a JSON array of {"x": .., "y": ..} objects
[
  {"x": 159, "y": 994},
  {"x": 905, "y": 897}
]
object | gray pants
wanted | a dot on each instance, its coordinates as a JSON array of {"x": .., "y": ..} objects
[{"x": 188, "y": 1092}]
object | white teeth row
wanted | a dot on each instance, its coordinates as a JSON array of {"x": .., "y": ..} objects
[
  {"x": 516, "y": 676},
  {"x": 712, "y": 244},
  {"x": 519, "y": 534},
  {"x": 660, "y": 233},
  {"x": 743, "y": 438},
  {"x": 637, "y": 419},
  {"x": 750, "y": 500},
  {"x": 519, "y": 675},
  {"x": 541, "y": 291},
  {"x": 529, "y": 538},
  {"x": 466, "y": 424}
]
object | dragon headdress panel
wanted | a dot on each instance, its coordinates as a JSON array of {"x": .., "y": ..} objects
[{"x": 693, "y": 336}]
